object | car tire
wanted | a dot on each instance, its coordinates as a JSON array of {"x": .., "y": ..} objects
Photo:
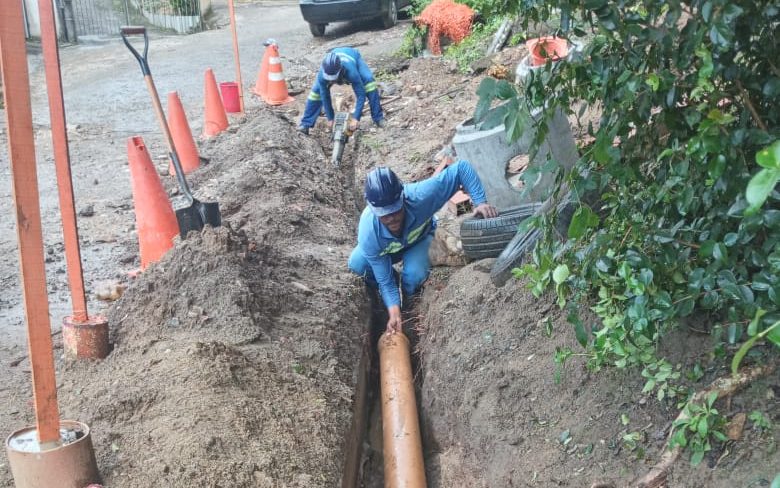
[
  {"x": 317, "y": 30},
  {"x": 512, "y": 256},
  {"x": 390, "y": 17},
  {"x": 486, "y": 238}
]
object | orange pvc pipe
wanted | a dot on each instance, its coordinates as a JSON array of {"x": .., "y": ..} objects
[
  {"x": 403, "y": 457},
  {"x": 233, "y": 29},
  {"x": 24, "y": 180},
  {"x": 51, "y": 62}
]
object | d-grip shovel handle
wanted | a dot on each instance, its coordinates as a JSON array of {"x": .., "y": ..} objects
[
  {"x": 135, "y": 30},
  {"x": 142, "y": 60}
]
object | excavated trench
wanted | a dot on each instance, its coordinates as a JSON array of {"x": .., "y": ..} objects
[{"x": 364, "y": 462}]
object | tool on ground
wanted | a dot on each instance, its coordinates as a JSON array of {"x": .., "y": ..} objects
[
  {"x": 341, "y": 134},
  {"x": 195, "y": 214}
]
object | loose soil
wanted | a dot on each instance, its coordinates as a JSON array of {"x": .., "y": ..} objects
[{"x": 236, "y": 356}]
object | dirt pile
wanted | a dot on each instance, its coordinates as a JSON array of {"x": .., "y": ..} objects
[
  {"x": 236, "y": 354},
  {"x": 510, "y": 423}
]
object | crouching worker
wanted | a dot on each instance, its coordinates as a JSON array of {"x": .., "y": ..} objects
[
  {"x": 398, "y": 224},
  {"x": 342, "y": 65}
]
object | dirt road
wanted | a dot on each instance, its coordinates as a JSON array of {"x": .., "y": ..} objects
[{"x": 106, "y": 102}]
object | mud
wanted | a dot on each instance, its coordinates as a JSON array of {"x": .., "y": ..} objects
[{"x": 235, "y": 357}]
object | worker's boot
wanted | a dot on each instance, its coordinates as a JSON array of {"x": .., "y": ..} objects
[
  {"x": 381, "y": 123},
  {"x": 303, "y": 129}
]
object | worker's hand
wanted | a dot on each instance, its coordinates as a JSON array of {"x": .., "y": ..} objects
[
  {"x": 395, "y": 322},
  {"x": 330, "y": 123},
  {"x": 353, "y": 125},
  {"x": 486, "y": 210}
]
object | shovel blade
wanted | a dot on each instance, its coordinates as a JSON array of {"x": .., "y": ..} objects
[{"x": 196, "y": 216}]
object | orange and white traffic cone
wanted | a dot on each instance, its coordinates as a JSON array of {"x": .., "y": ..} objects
[
  {"x": 216, "y": 118},
  {"x": 155, "y": 221},
  {"x": 182, "y": 136},
  {"x": 277, "y": 87},
  {"x": 261, "y": 86}
]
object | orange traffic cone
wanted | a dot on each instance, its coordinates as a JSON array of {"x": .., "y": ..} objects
[
  {"x": 154, "y": 218},
  {"x": 182, "y": 136},
  {"x": 261, "y": 86},
  {"x": 216, "y": 118},
  {"x": 277, "y": 87}
]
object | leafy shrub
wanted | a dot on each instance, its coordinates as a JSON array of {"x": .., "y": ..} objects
[{"x": 677, "y": 208}]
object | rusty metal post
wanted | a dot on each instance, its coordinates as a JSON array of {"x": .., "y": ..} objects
[
  {"x": 21, "y": 145},
  {"x": 403, "y": 456},
  {"x": 83, "y": 336},
  {"x": 232, "y": 12}
]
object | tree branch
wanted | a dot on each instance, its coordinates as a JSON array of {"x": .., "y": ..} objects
[
  {"x": 656, "y": 478},
  {"x": 750, "y": 106}
]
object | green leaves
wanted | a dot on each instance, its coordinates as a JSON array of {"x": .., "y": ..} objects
[
  {"x": 763, "y": 183},
  {"x": 772, "y": 333},
  {"x": 560, "y": 274},
  {"x": 583, "y": 220},
  {"x": 683, "y": 211}
]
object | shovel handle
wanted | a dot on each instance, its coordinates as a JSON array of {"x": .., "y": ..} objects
[
  {"x": 143, "y": 61},
  {"x": 137, "y": 30}
]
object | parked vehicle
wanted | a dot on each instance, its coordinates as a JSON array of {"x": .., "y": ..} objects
[{"x": 320, "y": 13}]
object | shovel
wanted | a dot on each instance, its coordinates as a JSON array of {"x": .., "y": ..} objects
[{"x": 194, "y": 215}]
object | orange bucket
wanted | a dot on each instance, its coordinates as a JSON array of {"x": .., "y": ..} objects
[{"x": 544, "y": 48}]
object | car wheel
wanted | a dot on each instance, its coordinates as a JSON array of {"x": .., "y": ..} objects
[
  {"x": 317, "y": 30},
  {"x": 390, "y": 17}
]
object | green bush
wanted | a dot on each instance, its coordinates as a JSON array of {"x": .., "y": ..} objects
[{"x": 678, "y": 215}]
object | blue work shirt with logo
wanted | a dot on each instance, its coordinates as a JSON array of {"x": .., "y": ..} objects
[
  {"x": 421, "y": 201},
  {"x": 354, "y": 70}
]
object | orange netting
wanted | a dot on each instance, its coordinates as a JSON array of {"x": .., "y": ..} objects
[{"x": 445, "y": 18}]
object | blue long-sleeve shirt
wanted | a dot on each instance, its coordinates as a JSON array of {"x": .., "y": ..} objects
[
  {"x": 421, "y": 201},
  {"x": 350, "y": 63}
]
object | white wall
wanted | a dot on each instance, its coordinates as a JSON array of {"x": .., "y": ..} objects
[{"x": 33, "y": 17}]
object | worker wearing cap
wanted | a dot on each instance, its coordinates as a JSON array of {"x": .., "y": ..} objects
[
  {"x": 398, "y": 224},
  {"x": 342, "y": 65}
]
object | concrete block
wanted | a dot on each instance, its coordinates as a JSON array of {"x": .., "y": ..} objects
[{"x": 489, "y": 153}]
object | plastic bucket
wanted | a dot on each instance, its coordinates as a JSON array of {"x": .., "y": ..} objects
[
  {"x": 230, "y": 100},
  {"x": 544, "y": 48}
]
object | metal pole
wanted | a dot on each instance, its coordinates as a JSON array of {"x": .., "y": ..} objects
[
  {"x": 235, "y": 55},
  {"x": 21, "y": 149},
  {"x": 59, "y": 133}
]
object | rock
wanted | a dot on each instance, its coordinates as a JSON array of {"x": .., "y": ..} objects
[
  {"x": 87, "y": 211},
  {"x": 444, "y": 251},
  {"x": 300, "y": 286},
  {"x": 736, "y": 426},
  {"x": 109, "y": 290},
  {"x": 481, "y": 64}
]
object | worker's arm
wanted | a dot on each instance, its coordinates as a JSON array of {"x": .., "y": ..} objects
[
  {"x": 360, "y": 92},
  {"x": 440, "y": 188},
  {"x": 327, "y": 105}
]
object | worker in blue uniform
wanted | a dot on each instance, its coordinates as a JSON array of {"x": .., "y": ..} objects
[
  {"x": 398, "y": 224},
  {"x": 342, "y": 65}
]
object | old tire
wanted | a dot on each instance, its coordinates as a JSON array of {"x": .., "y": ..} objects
[
  {"x": 317, "y": 30},
  {"x": 390, "y": 17},
  {"x": 486, "y": 238},
  {"x": 512, "y": 256}
]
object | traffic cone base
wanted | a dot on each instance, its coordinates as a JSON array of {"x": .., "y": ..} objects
[
  {"x": 216, "y": 117},
  {"x": 182, "y": 136},
  {"x": 155, "y": 221}
]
